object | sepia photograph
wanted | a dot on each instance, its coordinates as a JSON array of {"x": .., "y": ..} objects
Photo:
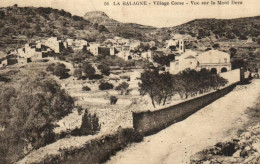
[{"x": 129, "y": 82}]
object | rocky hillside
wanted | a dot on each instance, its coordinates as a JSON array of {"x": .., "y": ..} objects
[
  {"x": 18, "y": 24},
  {"x": 127, "y": 30},
  {"x": 243, "y": 149},
  {"x": 241, "y": 28},
  {"x": 100, "y": 18}
]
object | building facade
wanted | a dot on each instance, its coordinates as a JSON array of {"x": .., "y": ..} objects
[{"x": 212, "y": 60}]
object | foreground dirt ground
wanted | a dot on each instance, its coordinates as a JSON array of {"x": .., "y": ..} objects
[{"x": 216, "y": 122}]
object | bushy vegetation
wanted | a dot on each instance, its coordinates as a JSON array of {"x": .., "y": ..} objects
[
  {"x": 27, "y": 113},
  {"x": 78, "y": 73},
  {"x": 113, "y": 100},
  {"x": 90, "y": 125},
  {"x": 241, "y": 28},
  {"x": 88, "y": 69},
  {"x": 58, "y": 70},
  {"x": 79, "y": 56},
  {"x": 98, "y": 150},
  {"x": 122, "y": 88},
  {"x": 105, "y": 86},
  {"x": 163, "y": 60},
  {"x": 86, "y": 88},
  {"x": 188, "y": 83},
  {"x": 104, "y": 68},
  {"x": 17, "y": 24}
]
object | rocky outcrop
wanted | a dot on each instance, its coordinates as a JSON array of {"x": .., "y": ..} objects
[
  {"x": 243, "y": 149},
  {"x": 95, "y": 14}
]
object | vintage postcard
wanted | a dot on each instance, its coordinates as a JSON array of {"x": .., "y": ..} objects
[{"x": 129, "y": 81}]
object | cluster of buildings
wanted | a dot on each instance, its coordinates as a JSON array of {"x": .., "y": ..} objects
[
  {"x": 40, "y": 49},
  {"x": 213, "y": 60},
  {"x": 128, "y": 49}
]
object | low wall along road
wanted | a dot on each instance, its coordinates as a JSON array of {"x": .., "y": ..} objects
[{"x": 148, "y": 122}]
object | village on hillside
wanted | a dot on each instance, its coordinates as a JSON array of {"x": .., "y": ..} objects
[
  {"x": 68, "y": 98},
  {"x": 126, "y": 49}
]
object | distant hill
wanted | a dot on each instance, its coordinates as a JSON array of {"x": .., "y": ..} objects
[
  {"x": 127, "y": 30},
  {"x": 19, "y": 25},
  {"x": 241, "y": 28}
]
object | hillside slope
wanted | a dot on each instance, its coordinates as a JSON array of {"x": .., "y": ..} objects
[
  {"x": 241, "y": 28},
  {"x": 127, "y": 30},
  {"x": 20, "y": 24}
]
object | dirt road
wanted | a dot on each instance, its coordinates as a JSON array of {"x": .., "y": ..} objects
[{"x": 216, "y": 122}]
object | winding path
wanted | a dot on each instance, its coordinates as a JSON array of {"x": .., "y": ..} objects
[{"x": 175, "y": 144}]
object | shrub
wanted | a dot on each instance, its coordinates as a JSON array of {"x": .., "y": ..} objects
[
  {"x": 88, "y": 69},
  {"x": 105, "y": 86},
  {"x": 122, "y": 88},
  {"x": 58, "y": 70},
  {"x": 86, "y": 88},
  {"x": 78, "y": 73},
  {"x": 113, "y": 100},
  {"x": 90, "y": 124},
  {"x": 50, "y": 67},
  {"x": 95, "y": 77},
  {"x": 104, "y": 68}
]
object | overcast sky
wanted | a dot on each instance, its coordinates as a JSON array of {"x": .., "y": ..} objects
[{"x": 158, "y": 16}]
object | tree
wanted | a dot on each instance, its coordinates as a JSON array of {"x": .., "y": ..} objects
[
  {"x": 36, "y": 104},
  {"x": 105, "y": 86},
  {"x": 78, "y": 73},
  {"x": 166, "y": 87},
  {"x": 113, "y": 100},
  {"x": 88, "y": 69},
  {"x": 104, "y": 68},
  {"x": 163, "y": 60},
  {"x": 149, "y": 85},
  {"x": 122, "y": 88},
  {"x": 90, "y": 124},
  {"x": 59, "y": 70},
  {"x": 233, "y": 52}
]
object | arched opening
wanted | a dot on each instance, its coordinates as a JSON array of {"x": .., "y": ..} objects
[
  {"x": 203, "y": 70},
  {"x": 213, "y": 71},
  {"x": 224, "y": 69},
  {"x": 129, "y": 57}
]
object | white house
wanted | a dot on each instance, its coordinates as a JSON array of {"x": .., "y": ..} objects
[
  {"x": 125, "y": 53},
  {"x": 184, "y": 61},
  {"x": 147, "y": 55},
  {"x": 213, "y": 60},
  {"x": 75, "y": 44},
  {"x": 54, "y": 44},
  {"x": 93, "y": 48}
]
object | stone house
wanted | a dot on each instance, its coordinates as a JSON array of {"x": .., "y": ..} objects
[
  {"x": 212, "y": 60},
  {"x": 93, "y": 48}
]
